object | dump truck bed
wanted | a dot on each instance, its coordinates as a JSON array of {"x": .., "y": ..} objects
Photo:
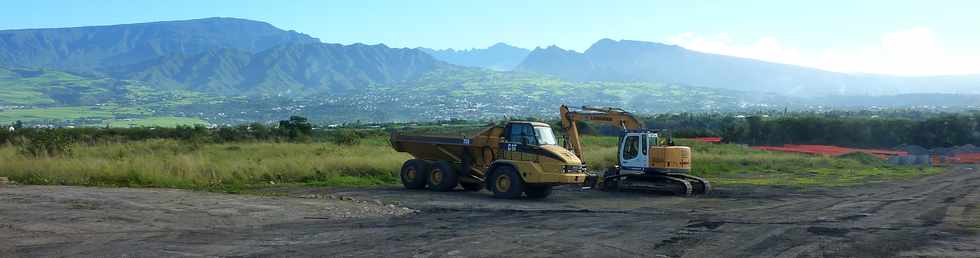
[
  {"x": 515, "y": 169},
  {"x": 453, "y": 149}
]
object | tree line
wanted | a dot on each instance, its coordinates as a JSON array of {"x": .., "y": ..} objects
[
  {"x": 940, "y": 131},
  {"x": 40, "y": 142},
  {"x": 869, "y": 131}
]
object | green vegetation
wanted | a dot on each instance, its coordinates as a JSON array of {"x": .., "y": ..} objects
[
  {"x": 728, "y": 164},
  {"x": 735, "y": 164},
  {"x": 67, "y": 113},
  {"x": 32, "y": 87},
  {"x": 940, "y": 131},
  {"x": 44, "y": 96},
  {"x": 862, "y": 129},
  {"x": 197, "y": 158},
  {"x": 226, "y": 167},
  {"x": 157, "y": 121}
]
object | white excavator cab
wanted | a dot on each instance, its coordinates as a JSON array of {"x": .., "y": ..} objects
[{"x": 634, "y": 151}]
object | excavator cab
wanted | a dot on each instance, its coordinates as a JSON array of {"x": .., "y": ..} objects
[
  {"x": 648, "y": 152},
  {"x": 634, "y": 151},
  {"x": 648, "y": 162}
]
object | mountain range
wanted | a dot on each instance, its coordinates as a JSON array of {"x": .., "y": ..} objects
[
  {"x": 236, "y": 70},
  {"x": 637, "y": 61},
  {"x": 88, "y": 48},
  {"x": 499, "y": 57}
]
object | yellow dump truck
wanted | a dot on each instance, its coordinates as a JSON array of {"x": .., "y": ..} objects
[{"x": 511, "y": 160}]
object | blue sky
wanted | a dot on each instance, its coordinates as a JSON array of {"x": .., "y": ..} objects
[{"x": 895, "y": 37}]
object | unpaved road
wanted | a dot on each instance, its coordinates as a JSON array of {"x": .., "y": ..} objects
[{"x": 936, "y": 216}]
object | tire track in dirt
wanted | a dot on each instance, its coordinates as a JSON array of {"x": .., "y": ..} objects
[{"x": 931, "y": 216}]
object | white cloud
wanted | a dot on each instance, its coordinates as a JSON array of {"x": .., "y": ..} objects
[{"x": 916, "y": 51}]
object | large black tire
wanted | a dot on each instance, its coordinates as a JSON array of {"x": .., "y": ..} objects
[
  {"x": 414, "y": 174},
  {"x": 538, "y": 191},
  {"x": 472, "y": 187},
  {"x": 504, "y": 182},
  {"x": 442, "y": 177}
]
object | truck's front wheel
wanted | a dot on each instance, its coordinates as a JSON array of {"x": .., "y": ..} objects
[
  {"x": 414, "y": 173},
  {"x": 505, "y": 183}
]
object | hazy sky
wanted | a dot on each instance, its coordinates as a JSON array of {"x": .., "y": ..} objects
[{"x": 893, "y": 36}]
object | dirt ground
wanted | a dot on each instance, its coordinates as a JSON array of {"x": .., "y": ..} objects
[{"x": 935, "y": 216}]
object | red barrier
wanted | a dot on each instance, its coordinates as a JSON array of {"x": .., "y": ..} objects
[
  {"x": 967, "y": 158},
  {"x": 708, "y": 139}
]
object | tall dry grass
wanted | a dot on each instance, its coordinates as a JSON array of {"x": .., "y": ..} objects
[
  {"x": 233, "y": 166},
  {"x": 169, "y": 163}
]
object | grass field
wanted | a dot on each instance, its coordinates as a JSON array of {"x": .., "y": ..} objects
[
  {"x": 157, "y": 121},
  {"x": 232, "y": 167},
  {"x": 726, "y": 164},
  {"x": 108, "y": 114},
  {"x": 56, "y": 113},
  {"x": 169, "y": 163}
]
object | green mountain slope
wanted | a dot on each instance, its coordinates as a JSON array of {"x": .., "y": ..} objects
[
  {"x": 292, "y": 69},
  {"x": 58, "y": 97},
  {"x": 87, "y": 48},
  {"x": 27, "y": 87}
]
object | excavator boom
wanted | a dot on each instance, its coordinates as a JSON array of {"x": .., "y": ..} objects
[{"x": 612, "y": 116}]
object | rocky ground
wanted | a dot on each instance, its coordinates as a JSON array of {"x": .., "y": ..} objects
[{"x": 935, "y": 216}]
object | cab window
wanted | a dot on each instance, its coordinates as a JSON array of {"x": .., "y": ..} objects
[
  {"x": 644, "y": 147},
  {"x": 631, "y": 147},
  {"x": 522, "y": 133}
]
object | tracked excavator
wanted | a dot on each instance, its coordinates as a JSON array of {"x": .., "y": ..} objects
[{"x": 647, "y": 159}]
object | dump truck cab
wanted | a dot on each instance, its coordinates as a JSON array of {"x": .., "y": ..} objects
[
  {"x": 512, "y": 159},
  {"x": 533, "y": 148}
]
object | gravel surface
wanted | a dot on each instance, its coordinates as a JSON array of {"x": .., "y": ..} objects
[{"x": 935, "y": 216}]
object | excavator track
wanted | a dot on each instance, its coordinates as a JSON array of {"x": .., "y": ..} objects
[
  {"x": 677, "y": 184},
  {"x": 701, "y": 186}
]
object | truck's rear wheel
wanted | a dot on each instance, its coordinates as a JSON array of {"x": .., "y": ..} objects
[
  {"x": 442, "y": 177},
  {"x": 414, "y": 173},
  {"x": 504, "y": 182},
  {"x": 538, "y": 191}
]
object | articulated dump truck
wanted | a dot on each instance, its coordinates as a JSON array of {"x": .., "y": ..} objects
[{"x": 511, "y": 160}]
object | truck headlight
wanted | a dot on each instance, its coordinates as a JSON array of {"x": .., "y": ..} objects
[{"x": 573, "y": 169}]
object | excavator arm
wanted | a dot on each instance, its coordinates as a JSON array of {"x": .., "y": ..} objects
[{"x": 612, "y": 116}]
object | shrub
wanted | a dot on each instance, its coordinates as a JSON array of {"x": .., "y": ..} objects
[
  {"x": 45, "y": 143},
  {"x": 297, "y": 129},
  {"x": 345, "y": 137}
]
